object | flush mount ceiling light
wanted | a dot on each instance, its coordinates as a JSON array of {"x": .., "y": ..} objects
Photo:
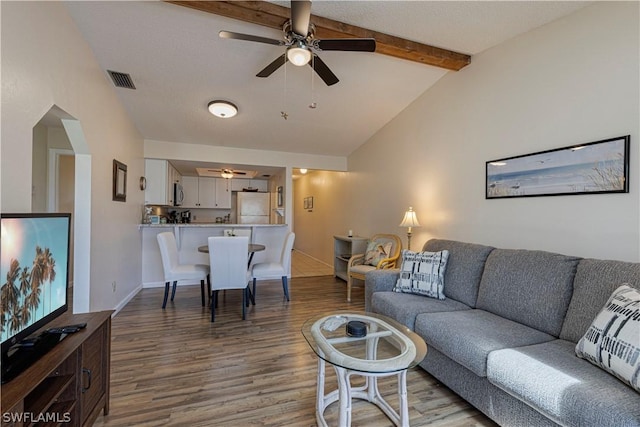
[
  {"x": 226, "y": 173},
  {"x": 299, "y": 54},
  {"x": 222, "y": 109}
]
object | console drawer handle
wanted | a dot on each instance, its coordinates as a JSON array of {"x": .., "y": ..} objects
[{"x": 88, "y": 372}]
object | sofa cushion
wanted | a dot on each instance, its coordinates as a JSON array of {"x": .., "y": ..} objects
[
  {"x": 530, "y": 287},
  {"x": 405, "y": 307},
  {"x": 469, "y": 336},
  {"x": 569, "y": 390},
  {"x": 612, "y": 342},
  {"x": 464, "y": 268},
  {"x": 422, "y": 273},
  {"x": 378, "y": 281},
  {"x": 595, "y": 281}
]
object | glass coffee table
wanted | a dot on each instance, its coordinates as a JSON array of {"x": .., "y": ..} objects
[{"x": 363, "y": 344}]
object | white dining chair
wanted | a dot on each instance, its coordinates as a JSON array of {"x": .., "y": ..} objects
[
  {"x": 174, "y": 271},
  {"x": 275, "y": 270},
  {"x": 228, "y": 258}
]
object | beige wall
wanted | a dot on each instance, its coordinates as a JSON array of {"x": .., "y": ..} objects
[
  {"x": 39, "y": 169},
  {"x": 316, "y": 227},
  {"x": 46, "y": 62},
  {"x": 572, "y": 81}
]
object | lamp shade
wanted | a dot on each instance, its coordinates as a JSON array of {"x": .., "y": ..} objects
[
  {"x": 410, "y": 219},
  {"x": 222, "y": 109}
]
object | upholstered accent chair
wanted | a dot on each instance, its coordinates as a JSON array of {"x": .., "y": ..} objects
[{"x": 383, "y": 251}]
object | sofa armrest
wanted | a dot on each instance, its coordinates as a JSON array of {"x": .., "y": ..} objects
[{"x": 378, "y": 281}]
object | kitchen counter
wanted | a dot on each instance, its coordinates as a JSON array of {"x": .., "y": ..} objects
[
  {"x": 190, "y": 236},
  {"x": 208, "y": 224}
]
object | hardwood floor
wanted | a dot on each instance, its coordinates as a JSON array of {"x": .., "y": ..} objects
[
  {"x": 174, "y": 367},
  {"x": 303, "y": 265}
]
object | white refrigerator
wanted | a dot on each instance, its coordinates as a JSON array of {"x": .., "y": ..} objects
[{"x": 253, "y": 208}]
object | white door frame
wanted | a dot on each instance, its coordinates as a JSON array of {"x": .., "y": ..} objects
[{"x": 52, "y": 172}]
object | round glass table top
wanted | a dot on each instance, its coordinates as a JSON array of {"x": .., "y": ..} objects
[{"x": 365, "y": 342}]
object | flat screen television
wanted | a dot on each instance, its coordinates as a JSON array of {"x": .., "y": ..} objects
[{"x": 34, "y": 273}]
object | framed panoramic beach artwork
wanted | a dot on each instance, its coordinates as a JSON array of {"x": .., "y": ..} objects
[{"x": 596, "y": 167}]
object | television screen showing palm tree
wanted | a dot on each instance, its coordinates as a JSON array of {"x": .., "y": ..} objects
[{"x": 34, "y": 271}]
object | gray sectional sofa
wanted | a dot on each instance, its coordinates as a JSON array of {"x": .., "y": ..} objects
[{"x": 504, "y": 337}]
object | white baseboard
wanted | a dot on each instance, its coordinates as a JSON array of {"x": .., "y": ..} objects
[
  {"x": 314, "y": 258},
  {"x": 154, "y": 285},
  {"x": 128, "y": 298},
  {"x": 161, "y": 284}
]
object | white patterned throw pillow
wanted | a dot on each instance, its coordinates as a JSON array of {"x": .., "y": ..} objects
[
  {"x": 612, "y": 342},
  {"x": 422, "y": 273}
]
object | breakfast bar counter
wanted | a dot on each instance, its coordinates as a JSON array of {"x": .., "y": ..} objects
[{"x": 190, "y": 236}]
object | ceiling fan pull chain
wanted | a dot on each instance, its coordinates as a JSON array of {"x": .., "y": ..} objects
[
  {"x": 313, "y": 104},
  {"x": 283, "y": 113}
]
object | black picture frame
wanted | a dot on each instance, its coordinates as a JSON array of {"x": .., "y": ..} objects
[
  {"x": 308, "y": 202},
  {"x": 593, "y": 168},
  {"x": 119, "y": 181}
]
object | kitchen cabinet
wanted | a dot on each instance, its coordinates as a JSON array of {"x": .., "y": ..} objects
[
  {"x": 160, "y": 176},
  {"x": 223, "y": 193},
  {"x": 238, "y": 184},
  {"x": 201, "y": 192}
]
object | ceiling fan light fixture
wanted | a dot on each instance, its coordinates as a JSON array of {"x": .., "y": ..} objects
[
  {"x": 226, "y": 174},
  {"x": 299, "y": 54},
  {"x": 222, "y": 109}
]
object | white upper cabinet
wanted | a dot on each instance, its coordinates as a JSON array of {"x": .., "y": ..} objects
[
  {"x": 160, "y": 176},
  {"x": 223, "y": 193},
  {"x": 200, "y": 192},
  {"x": 190, "y": 189}
]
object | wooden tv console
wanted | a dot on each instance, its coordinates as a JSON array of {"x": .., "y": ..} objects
[{"x": 67, "y": 386}]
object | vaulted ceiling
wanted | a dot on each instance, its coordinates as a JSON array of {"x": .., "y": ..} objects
[{"x": 178, "y": 64}]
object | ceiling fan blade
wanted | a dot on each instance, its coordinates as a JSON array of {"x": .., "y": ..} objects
[
  {"x": 250, "y": 38},
  {"x": 359, "y": 45},
  {"x": 269, "y": 69},
  {"x": 300, "y": 15},
  {"x": 323, "y": 71}
]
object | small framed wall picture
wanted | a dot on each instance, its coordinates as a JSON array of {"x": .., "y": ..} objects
[
  {"x": 119, "y": 181},
  {"x": 308, "y": 202},
  {"x": 280, "y": 196}
]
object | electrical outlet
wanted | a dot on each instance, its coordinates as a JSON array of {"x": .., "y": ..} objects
[{"x": 113, "y": 285}]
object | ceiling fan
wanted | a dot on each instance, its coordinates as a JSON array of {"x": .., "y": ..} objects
[{"x": 301, "y": 44}]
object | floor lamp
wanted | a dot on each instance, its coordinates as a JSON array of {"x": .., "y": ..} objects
[{"x": 410, "y": 220}]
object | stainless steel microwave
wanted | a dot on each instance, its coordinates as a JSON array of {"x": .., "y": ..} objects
[{"x": 178, "y": 194}]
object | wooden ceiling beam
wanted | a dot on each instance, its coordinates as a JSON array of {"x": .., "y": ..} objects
[{"x": 275, "y": 16}]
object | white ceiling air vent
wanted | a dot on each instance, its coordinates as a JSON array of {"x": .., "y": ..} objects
[
  {"x": 237, "y": 173},
  {"x": 121, "y": 79}
]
